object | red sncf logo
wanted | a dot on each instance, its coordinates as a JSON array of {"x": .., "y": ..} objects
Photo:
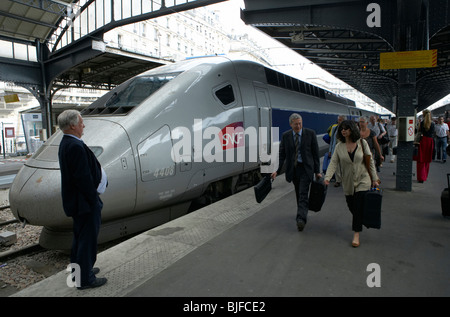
[{"x": 232, "y": 135}]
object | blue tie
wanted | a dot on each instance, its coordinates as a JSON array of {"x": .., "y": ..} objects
[{"x": 296, "y": 149}]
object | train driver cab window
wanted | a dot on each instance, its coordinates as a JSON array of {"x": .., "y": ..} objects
[{"x": 225, "y": 95}]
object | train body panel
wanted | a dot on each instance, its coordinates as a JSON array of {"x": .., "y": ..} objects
[{"x": 173, "y": 137}]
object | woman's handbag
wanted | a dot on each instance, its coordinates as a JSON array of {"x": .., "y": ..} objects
[
  {"x": 384, "y": 139},
  {"x": 367, "y": 159}
]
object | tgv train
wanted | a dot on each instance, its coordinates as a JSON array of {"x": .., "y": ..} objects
[{"x": 173, "y": 137}]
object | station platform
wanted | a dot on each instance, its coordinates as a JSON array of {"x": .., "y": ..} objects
[{"x": 238, "y": 248}]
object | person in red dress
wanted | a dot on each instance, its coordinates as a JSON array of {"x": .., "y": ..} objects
[{"x": 424, "y": 156}]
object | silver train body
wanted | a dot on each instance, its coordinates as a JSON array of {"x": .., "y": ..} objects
[{"x": 135, "y": 128}]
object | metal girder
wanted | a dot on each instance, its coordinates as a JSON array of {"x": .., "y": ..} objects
[{"x": 336, "y": 36}]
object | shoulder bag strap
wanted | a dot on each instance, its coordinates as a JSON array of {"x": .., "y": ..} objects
[{"x": 366, "y": 159}]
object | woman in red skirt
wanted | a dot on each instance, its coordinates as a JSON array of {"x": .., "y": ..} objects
[{"x": 426, "y": 146}]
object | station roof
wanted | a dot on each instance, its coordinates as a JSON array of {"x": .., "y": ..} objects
[
  {"x": 335, "y": 35},
  {"x": 31, "y": 21},
  {"x": 36, "y": 20}
]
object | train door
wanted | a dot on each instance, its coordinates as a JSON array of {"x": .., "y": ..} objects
[{"x": 264, "y": 120}]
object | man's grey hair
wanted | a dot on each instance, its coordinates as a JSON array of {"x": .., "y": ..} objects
[
  {"x": 68, "y": 118},
  {"x": 293, "y": 117},
  {"x": 365, "y": 118}
]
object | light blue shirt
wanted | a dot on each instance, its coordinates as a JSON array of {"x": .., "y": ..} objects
[{"x": 299, "y": 158}]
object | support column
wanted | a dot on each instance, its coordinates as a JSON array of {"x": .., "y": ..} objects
[{"x": 405, "y": 107}]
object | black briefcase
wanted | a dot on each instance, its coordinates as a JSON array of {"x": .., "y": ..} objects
[
  {"x": 317, "y": 194},
  {"x": 372, "y": 208},
  {"x": 263, "y": 188}
]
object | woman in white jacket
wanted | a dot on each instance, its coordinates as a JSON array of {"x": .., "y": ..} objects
[{"x": 356, "y": 180}]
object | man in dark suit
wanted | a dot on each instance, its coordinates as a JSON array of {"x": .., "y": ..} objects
[
  {"x": 300, "y": 151},
  {"x": 81, "y": 185}
]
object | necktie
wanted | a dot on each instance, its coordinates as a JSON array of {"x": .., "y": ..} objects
[{"x": 296, "y": 149}]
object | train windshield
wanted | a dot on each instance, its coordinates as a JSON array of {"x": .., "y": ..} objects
[{"x": 128, "y": 95}]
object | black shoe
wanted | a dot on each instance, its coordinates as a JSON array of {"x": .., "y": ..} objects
[
  {"x": 99, "y": 281},
  {"x": 95, "y": 270},
  {"x": 300, "y": 225}
]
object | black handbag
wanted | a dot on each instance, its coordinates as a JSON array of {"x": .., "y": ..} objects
[
  {"x": 372, "y": 208},
  {"x": 384, "y": 139},
  {"x": 263, "y": 188}
]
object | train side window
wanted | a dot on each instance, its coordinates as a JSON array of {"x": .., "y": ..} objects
[{"x": 225, "y": 95}]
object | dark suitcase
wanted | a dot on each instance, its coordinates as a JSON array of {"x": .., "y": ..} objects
[
  {"x": 317, "y": 194},
  {"x": 372, "y": 208},
  {"x": 445, "y": 199},
  {"x": 263, "y": 188}
]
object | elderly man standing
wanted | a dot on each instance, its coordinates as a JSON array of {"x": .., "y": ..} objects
[
  {"x": 300, "y": 151},
  {"x": 82, "y": 181}
]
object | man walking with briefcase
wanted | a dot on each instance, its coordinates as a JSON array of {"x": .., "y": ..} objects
[{"x": 300, "y": 151}]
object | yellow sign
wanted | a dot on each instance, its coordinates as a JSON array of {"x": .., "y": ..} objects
[
  {"x": 11, "y": 98},
  {"x": 408, "y": 59}
]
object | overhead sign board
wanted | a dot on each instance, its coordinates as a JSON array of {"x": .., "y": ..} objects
[{"x": 408, "y": 59}]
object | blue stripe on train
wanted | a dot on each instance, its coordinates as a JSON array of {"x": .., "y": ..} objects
[{"x": 319, "y": 122}]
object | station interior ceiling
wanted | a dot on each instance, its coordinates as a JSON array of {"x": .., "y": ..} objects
[{"x": 344, "y": 45}]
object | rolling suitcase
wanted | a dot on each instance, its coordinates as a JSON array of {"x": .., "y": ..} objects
[
  {"x": 263, "y": 188},
  {"x": 317, "y": 194},
  {"x": 372, "y": 208},
  {"x": 445, "y": 199}
]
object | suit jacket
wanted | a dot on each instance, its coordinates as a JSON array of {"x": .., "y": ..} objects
[
  {"x": 80, "y": 176},
  {"x": 309, "y": 150}
]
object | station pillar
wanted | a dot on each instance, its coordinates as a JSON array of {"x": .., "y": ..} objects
[{"x": 405, "y": 108}]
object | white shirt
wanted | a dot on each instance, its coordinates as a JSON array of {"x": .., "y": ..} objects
[
  {"x": 441, "y": 130},
  {"x": 102, "y": 186}
]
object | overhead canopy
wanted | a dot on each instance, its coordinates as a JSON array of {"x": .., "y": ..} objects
[{"x": 346, "y": 39}]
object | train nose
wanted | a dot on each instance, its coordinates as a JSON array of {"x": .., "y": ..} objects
[{"x": 35, "y": 195}]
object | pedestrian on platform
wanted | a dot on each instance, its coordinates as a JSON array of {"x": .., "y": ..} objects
[
  {"x": 333, "y": 142},
  {"x": 356, "y": 180},
  {"x": 393, "y": 134},
  {"x": 371, "y": 138},
  {"x": 300, "y": 151},
  {"x": 379, "y": 130},
  {"x": 426, "y": 145},
  {"x": 442, "y": 134},
  {"x": 82, "y": 181}
]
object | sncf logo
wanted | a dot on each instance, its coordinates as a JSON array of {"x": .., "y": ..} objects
[{"x": 232, "y": 136}]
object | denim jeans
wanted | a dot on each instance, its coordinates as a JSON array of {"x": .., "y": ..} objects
[{"x": 441, "y": 147}]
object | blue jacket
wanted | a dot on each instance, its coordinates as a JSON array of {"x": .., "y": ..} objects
[{"x": 80, "y": 176}]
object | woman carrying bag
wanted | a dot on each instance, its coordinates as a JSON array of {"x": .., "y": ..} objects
[{"x": 356, "y": 181}]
